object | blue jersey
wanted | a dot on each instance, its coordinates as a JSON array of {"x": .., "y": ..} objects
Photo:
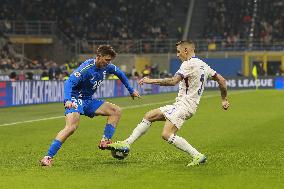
[{"x": 85, "y": 80}]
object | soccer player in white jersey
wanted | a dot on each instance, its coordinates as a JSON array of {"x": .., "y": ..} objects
[{"x": 191, "y": 76}]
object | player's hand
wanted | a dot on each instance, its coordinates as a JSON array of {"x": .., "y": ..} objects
[
  {"x": 144, "y": 80},
  {"x": 135, "y": 94},
  {"x": 225, "y": 104},
  {"x": 69, "y": 104}
]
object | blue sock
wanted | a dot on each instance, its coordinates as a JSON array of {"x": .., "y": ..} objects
[
  {"x": 54, "y": 147},
  {"x": 109, "y": 131}
]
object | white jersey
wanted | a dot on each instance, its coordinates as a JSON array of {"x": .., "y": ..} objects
[{"x": 195, "y": 73}]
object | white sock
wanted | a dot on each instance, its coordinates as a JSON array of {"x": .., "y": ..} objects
[
  {"x": 183, "y": 145},
  {"x": 141, "y": 128}
]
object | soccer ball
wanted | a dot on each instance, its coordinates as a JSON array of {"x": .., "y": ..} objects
[{"x": 120, "y": 154}]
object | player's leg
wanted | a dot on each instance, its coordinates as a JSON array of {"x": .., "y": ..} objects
[
  {"x": 72, "y": 117},
  {"x": 143, "y": 126},
  {"x": 169, "y": 134},
  {"x": 72, "y": 123},
  {"x": 114, "y": 113}
]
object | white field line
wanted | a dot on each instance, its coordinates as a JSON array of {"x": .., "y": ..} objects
[{"x": 124, "y": 108}]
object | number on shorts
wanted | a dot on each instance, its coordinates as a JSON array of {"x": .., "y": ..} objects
[
  {"x": 76, "y": 102},
  {"x": 171, "y": 111}
]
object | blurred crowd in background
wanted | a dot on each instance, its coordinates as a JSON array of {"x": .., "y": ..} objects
[
  {"x": 128, "y": 19},
  {"x": 231, "y": 21},
  {"x": 25, "y": 70},
  {"x": 86, "y": 20},
  {"x": 227, "y": 20},
  {"x": 100, "y": 20}
]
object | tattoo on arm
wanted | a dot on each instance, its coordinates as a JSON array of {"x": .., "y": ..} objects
[
  {"x": 222, "y": 85},
  {"x": 223, "y": 90},
  {"x": 165, "y": 82}
]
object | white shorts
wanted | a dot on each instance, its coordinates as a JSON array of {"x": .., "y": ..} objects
[{"x": 177, "y": 114}]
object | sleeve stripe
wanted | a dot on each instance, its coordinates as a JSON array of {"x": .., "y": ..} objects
[{"x": 87, "y": 67}]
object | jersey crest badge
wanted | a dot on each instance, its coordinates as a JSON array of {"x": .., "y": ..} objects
[{"x": 77, "y": 74}]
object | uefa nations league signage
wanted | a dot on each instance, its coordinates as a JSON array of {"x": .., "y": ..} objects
[{"x": 39, "y": 92}]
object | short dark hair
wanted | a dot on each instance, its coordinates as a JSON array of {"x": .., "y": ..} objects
[
  {"x": 188, "y": 42},
  {"x": 106, "y": 50}
]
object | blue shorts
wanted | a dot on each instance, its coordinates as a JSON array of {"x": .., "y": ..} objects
[{"x": 85, "y": 107}]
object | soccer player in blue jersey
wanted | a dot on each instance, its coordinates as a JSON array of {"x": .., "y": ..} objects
[{"x": 78, "y": 92}]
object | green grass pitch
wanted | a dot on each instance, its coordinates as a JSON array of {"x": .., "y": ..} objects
[{"x": 244, "y": 146}]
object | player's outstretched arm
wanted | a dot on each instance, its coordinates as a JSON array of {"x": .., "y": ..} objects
[
  {"x": 163, "y": 82},
  {"x": 223, "y": 88}
]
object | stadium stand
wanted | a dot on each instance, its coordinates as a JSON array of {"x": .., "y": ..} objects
[
  {"x": 100, "y": 20},
  {"x": 135, "y": 27},
  {"x": 232, "y": 23}
]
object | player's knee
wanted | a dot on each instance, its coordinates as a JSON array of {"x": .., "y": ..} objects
[
  {"x": 148, "y": 116},
  {"x": 166, "y": 135},
  {"x": 116, "y": 110}
]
